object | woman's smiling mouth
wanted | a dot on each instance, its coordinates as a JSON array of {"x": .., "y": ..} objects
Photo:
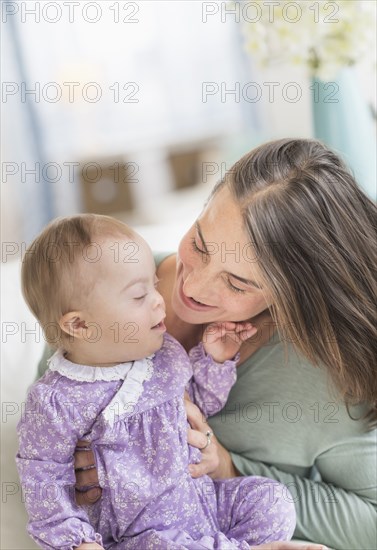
[{"x": 191, "y": 302}]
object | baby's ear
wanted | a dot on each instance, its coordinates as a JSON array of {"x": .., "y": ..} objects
[{"x": 73, "y": 324}]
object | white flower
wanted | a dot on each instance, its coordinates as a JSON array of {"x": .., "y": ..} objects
[{"x": 322, "y": 36}]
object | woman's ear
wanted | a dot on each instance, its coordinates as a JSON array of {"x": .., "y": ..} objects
[{"x": 73, "y": 324}]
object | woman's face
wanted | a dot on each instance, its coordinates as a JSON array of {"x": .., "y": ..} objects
[{"x": 217, "y": 274}]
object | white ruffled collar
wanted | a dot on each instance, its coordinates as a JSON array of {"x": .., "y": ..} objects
[
  {"x": 134, "y": 374},
  {"x": 125, "y": 400},
  {"x": 83, "y": 373}
]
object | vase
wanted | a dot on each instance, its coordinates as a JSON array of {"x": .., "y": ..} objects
[{"x": 343, "y": 121}]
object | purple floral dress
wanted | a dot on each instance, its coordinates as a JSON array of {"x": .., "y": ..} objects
[{"x": 133, "y": 417}]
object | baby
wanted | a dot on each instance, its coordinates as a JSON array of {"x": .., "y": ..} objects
[{"x": 117, "y": 381}]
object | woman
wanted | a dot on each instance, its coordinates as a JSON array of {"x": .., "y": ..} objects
[{"x": 288, "y": 240}]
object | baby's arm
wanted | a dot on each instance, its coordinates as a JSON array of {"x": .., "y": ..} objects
[
  {"x": 213, "y": 364},
  {"x": 48, "y": 431}
]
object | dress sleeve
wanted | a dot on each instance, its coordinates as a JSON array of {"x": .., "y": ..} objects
[
  {"x": 48, "y": 432},
  {"x": 340, "y": 510},
  {"x": 211, "y": 382}
]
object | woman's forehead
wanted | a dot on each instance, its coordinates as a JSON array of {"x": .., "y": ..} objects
[
  {"x": 222, "y": 218},
  {"x": 222, "y": 229}
]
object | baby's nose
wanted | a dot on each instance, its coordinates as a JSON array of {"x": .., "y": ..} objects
[{"x": 159, "y": 301}]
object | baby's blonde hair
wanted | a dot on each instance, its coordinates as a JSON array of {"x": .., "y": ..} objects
[{"x": 50, "y": 274}]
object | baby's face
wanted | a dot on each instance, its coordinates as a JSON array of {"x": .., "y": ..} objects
[{"x": 124, "y": 303}]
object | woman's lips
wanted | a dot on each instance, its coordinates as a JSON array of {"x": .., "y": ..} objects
[{"x": 191, "y": 303}]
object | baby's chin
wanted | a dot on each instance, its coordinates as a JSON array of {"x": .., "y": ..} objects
[
  {"x": 155, "y": 348},
  {"x": 151, "y": 348}
]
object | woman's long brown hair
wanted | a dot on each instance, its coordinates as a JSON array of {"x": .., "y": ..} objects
[{"x": 314, "y": 233}]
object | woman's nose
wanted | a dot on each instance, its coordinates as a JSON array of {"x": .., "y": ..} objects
[{"x": 196, "y": 281}]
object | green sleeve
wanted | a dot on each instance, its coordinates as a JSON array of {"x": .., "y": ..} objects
[
  {"x": 283, "y": 420},
  {"x": 160, "y": 256},
  {"x": 342, "y": 518}
]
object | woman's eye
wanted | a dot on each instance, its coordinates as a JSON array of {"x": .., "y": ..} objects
[
  {"x": 234, "y": 288},
  {"x": 195, "y": 247}
]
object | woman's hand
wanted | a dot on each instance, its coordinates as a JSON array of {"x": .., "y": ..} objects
[
  {"x": 289, "y": 546},
  {"x": 87, "y": 484},
  {"x": 216, "y": 461}
]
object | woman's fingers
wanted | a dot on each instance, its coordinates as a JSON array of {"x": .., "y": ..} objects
[
  {"x": 83, "y": 456},
  {"x": 85, "y": 468},
  {"x": 89, "y": 497},
  {"x": 196, "y": 418},
  {"x": 196, "y": 439},
  {"x": 214, "y": 456},
  {"x": 85, "y": 478},
  {"x": 199, "y": 470},
  {"x": 87, "y": 489},
  {"x": 210, "y": 458},
  {"x": 208, "y": 464},
  {"x": 196, "y": 436}
]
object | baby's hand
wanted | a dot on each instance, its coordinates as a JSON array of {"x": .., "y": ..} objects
[
  {"x": 223, "y": 340},
  {"x": 89, "y": 546}
]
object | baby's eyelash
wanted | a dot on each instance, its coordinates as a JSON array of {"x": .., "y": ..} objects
[
  {"x": 234, "y": 288},
  {"x": 195, "y": 247}
]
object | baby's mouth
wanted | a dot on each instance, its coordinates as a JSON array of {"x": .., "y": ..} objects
[{"x": 160, "y": 325}]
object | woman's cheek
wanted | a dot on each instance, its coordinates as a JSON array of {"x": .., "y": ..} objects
[{"x": 244, "y": 307}]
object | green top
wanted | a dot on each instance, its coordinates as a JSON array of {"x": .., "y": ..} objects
[{"x": 283, "y": 420}]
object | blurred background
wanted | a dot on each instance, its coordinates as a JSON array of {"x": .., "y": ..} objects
[{"x": 135, "y": 109}]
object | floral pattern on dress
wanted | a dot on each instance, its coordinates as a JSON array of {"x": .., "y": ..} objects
[{"x": 149, "y": 499}]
